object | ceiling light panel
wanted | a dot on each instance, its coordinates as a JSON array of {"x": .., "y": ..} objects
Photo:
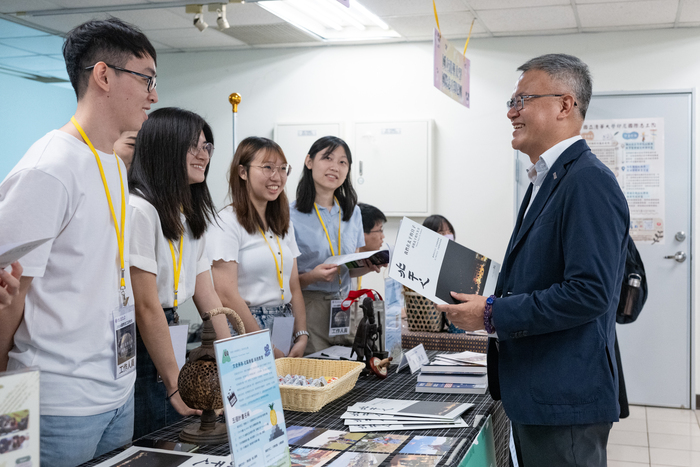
[{"x": 331, "y": 21}]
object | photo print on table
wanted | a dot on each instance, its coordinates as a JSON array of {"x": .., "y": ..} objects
[
  {"x": 336, "y": 440},
  {"x": 414, "y": 460},
  {"x": 430, "y": 445},
  {"x": 378, "y": 442},
  {"x": 307, "y": 457},
  {"x": 304, "y": 435},
  {"x": 296, "y": 432},
  {"x": 358, "y": 459},
  {"x": 153, "y": 458}
]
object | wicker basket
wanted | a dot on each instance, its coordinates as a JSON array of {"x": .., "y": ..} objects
[
  {"x": 421, "y": 313},
  {"x": 311, "y": 399}
]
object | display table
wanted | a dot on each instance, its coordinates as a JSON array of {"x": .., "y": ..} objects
[{"x": 396, "y": 386}]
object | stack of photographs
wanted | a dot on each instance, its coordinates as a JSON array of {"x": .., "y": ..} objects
[
  {"x": 317, "y": 447},
  {"x": 399, "y": 415}
]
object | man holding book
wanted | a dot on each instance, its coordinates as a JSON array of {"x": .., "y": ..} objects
[{"x": 554, "y": 307}]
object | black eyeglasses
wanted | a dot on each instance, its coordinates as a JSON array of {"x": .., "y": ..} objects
[
  {"x": 151, "y": 80},
  {"x": 513, "y": 102}
]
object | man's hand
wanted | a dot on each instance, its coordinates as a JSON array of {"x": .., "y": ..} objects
[{"x": 468, "y": 315}]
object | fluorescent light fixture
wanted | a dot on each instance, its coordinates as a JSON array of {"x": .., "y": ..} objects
[{"x": 330, "y": 21}]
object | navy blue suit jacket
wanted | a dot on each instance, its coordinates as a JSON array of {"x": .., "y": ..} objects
[{"x": 559, "y": 289}]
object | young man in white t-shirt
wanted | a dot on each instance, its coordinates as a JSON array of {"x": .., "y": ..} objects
[{"x": 72, "y": 314}]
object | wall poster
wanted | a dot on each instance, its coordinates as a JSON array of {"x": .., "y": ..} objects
[{"x": 633, "y": 149}]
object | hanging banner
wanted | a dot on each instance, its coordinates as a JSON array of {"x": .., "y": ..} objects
[
  {"x": 451, "y": 70},
  {"x": 633, "y": 149}
]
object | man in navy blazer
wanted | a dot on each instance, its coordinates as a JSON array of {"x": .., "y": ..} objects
[{"x": 553, "y": 364}]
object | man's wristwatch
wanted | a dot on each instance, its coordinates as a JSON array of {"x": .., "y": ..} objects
[
  {"x": 298, "y": 334},
  {"x": 488, "y": 315}
]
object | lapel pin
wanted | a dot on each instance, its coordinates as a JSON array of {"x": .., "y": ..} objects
[{"x": 554, "y": 176}]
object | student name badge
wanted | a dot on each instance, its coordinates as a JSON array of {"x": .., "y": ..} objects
[
  {"x": 339, "y": 320},
  {"x": 124, "y": 340}
]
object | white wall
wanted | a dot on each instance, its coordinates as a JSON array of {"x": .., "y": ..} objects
[{"x": 474, "y": 167}]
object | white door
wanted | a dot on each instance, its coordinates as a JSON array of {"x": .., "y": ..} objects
[{"x": 656, "y": 349}]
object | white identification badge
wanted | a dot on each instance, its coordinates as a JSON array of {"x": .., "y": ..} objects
[
  {"x": 125, "y": 340},
  {"x": 339, "y": 320}
]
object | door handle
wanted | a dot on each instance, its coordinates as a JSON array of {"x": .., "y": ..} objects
[{"x": 680, "y": 256}]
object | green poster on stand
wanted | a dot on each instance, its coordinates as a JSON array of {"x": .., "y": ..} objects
[{"x": 482, "y": 453}]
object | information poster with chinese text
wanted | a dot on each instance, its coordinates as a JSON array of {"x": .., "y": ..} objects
[
  {"x": 252, "y": 401},
  {"x": 450, "y": 70},
  {"x": 434, "y": 266},
  {"x": 633, "y": 149}
]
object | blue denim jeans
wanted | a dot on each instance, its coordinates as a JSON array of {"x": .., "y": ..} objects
[
  {"x": 153, "y": 411},
  {"x": 265, "y": 315},
  {"x": 69, "y": 441}
]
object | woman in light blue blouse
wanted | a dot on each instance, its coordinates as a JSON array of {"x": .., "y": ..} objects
[{"x": 327, "y": 222}]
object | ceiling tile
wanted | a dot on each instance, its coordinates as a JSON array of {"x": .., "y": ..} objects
[
  {"x": 690, "y": 11},
  {"x": 627, "y": 13},
  {"x": 10, "y": 29},
  {"x": 94, "y": 3},
  {"x": 148, "y": 20},
  {"x": 412, "y": 7},
  {"x": 191, "y": 38},
  {"x": 62, "y": 23},
  {"x": 503, "y": 4},
  {"x": 36, "y": 63},
  {"x": 582, "y": 2},
  {"x": 12, "y": 6},
  {"x": 456, "y": 24},
  {"x": 528, "y": 19},
  {"x": 45, "y": 45},
  {"x": 6, "y": 51}
]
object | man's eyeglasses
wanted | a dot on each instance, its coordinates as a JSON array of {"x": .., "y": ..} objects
[
  {"x": 519, "y": 101},
  {"x": 208, "y": 147},
  {"x": 151, "y": 80},
  {"x": 377, "y": 230},
  {"x": 269, "y": 170}
]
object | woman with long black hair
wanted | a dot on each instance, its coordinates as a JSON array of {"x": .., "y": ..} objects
[
  {"x": 171, "y": 209},
  {"x": 327, "y": 222},
  {"x": 253, "y": 249}
]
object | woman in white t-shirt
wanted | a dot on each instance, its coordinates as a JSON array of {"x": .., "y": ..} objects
[
  {"x": 253, "y": 249},
  {"x": 170, "y": 210}
]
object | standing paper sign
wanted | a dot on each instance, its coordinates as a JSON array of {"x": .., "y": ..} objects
[
  {"x": 451, "y": 70},
  {"x": 19, "y": 418},
  {"x": 252, "y": 402}
]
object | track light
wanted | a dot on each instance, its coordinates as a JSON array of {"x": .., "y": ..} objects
[
  {"x": 199, "y": 22},
  {"x": 221, "y": 20}
]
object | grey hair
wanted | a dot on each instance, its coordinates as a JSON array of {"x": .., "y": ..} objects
[{"x": 570, "y": 71}]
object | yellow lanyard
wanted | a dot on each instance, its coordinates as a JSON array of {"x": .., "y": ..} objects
[
  {"x": 278, "y": 268},
  {"x": 328, "y": 237},
  {"x": 117, "y": 229},
  {"x": 176, "y": 267},
  {"x": 359, "y": 283}
]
